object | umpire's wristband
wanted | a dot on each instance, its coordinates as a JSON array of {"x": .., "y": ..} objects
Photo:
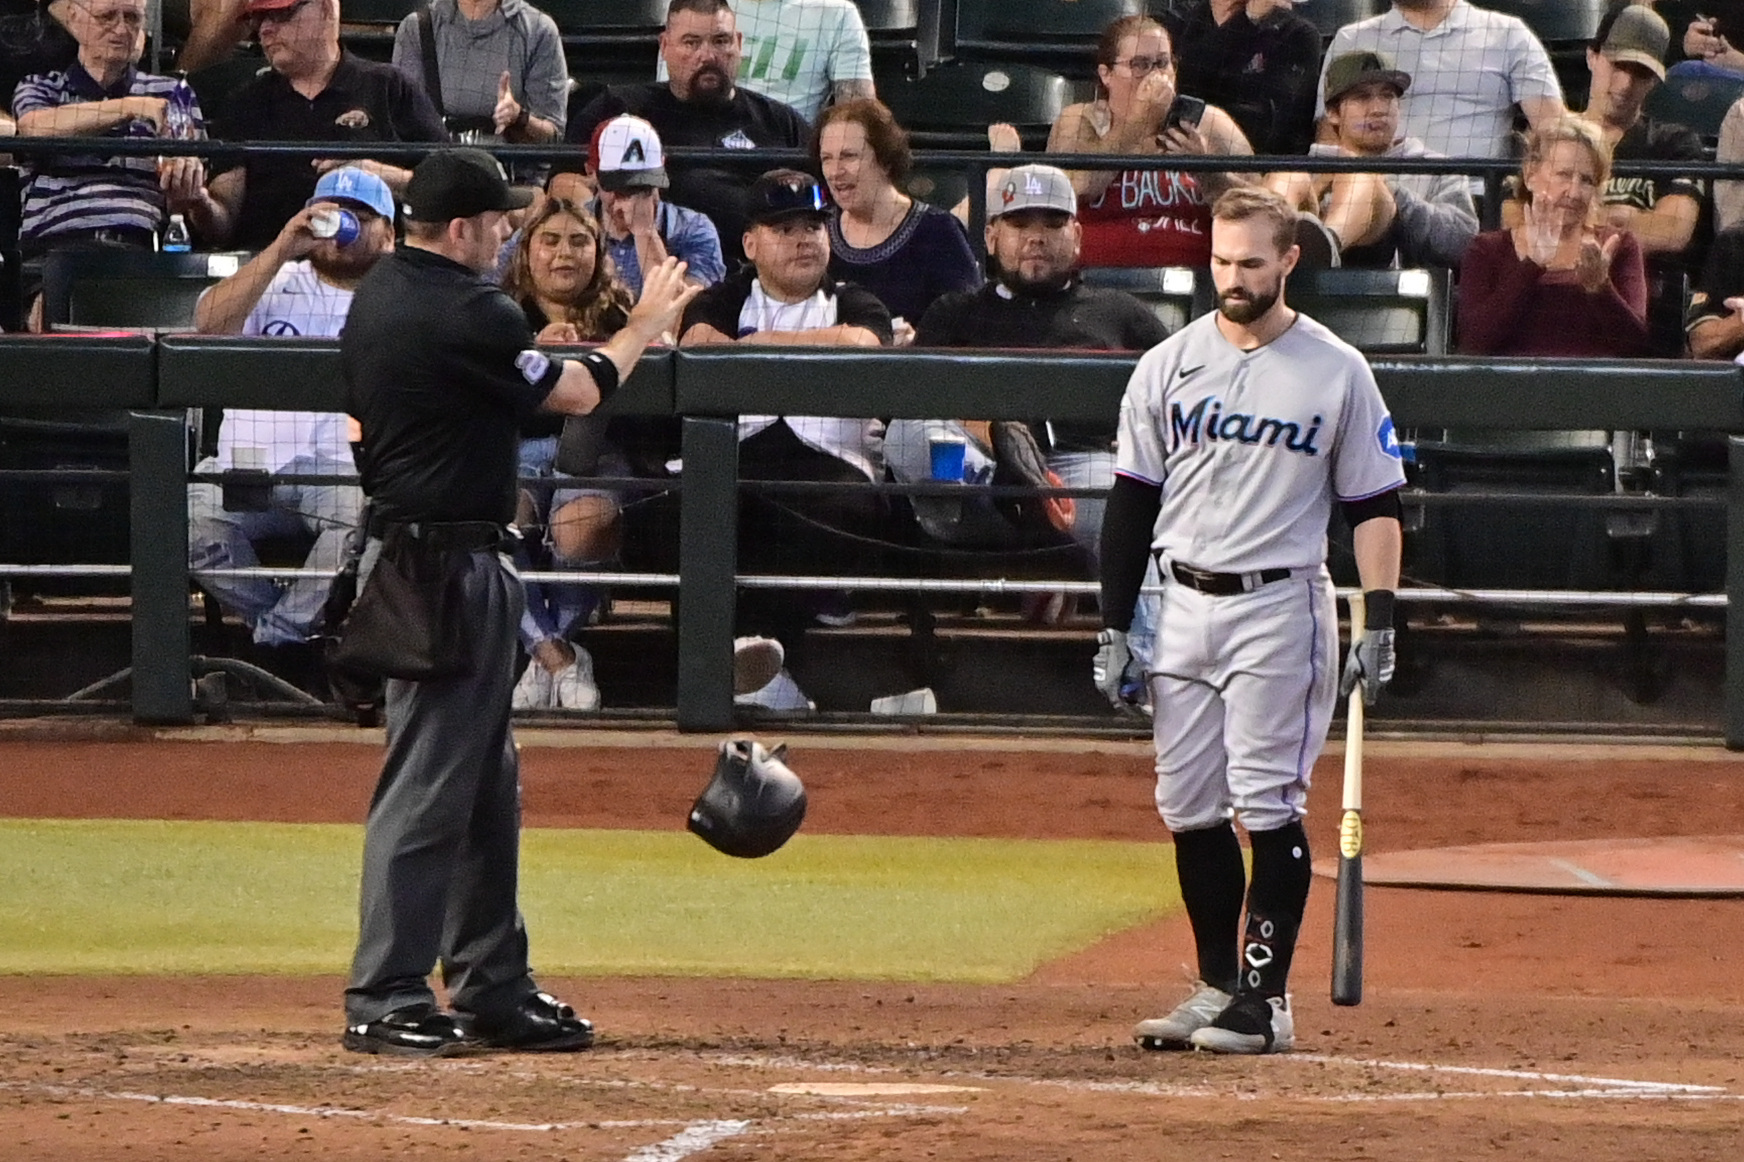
[
  {"x": 1378, "y": 609},
  {"x": 605, "y": 374}
]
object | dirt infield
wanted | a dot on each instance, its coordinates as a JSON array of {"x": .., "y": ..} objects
[{"x": 1533, "y": 1027}]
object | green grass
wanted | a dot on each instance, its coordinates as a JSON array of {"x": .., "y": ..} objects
[{"x": 164, "y": 897}]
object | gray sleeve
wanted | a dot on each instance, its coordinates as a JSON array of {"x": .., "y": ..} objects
[
  {"x": 409, "y": 50},
  {"x": 1435, "y": 231},
  {"x": 1729, "y": 195},
  {"x": 547, "y": 81}
]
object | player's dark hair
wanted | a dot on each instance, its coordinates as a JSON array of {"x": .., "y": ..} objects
[
  {"x": 600, "y": 309},
  {"x": 887, "y": 140},
  {"x": 1108, "y": 45},
  {"x": 1242, "y": 203},
  {"x": 700, "y": 7}
]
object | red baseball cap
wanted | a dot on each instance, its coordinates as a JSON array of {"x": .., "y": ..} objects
[{"x": 256, "y": 7}]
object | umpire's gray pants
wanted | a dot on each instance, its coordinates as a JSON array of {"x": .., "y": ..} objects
[{"x": 441, "y": 850}]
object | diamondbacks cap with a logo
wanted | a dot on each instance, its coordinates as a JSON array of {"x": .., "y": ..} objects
[
  {"x": 1348, "y": 70},
  {"x": 1035, "y": 187},
  {"x": 1637, "y": 36},
  {"x": 460, "y": 183},
  {"x": 786, "y": 193},
  {"x": 625, "y": 154},
  {"x": 350, "y": 184}
]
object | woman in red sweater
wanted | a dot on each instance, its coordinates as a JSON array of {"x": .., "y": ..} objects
[{"x": 1557, "y": 283}]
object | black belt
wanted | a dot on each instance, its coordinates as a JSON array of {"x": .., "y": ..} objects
[
  {"x": 465, "y": 536},
  {"x": 133, "y": 236},
  {"x": 1224, "y": 584}
]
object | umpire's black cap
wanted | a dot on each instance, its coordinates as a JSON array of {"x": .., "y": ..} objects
[{"x": 460, "y": 183}]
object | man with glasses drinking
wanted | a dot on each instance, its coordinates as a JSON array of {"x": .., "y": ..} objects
[
  {"x": 701, "y": 104},
  {"x": 315, "y": 91},
  {"x": 97, "y": 199}
]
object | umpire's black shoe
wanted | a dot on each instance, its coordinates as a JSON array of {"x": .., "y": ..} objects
[
  {"x": 420, "y": 1030},
  {"x": 540, "y": 1023}
]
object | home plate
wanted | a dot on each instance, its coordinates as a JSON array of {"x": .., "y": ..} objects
[
  {"x": 1708, "y": 865},
  {"x": 869, "y": 1088}
]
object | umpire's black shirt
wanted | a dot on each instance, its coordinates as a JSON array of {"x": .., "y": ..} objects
[{"x": 440, "y": 369}]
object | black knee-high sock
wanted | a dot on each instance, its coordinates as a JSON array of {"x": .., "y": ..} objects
[
  {"x": 1275, "y": 902},
  {"x": 1208, "y": 864}
]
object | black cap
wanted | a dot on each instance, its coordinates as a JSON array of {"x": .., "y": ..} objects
[
  {"x": 786, "y": 193},
  {"x": 460, "y": 183}
]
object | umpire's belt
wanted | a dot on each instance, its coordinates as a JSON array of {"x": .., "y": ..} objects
[
  {"x": 1224, "y": 584},
  {"x": 462, "y": 536}
]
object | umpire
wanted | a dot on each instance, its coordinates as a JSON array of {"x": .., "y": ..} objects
[{"x": 441, "y": 369}]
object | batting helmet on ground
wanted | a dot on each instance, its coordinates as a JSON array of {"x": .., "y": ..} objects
[{"x": 753, "y": 804}]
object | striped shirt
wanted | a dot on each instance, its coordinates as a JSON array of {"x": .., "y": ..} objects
[{"x": 90, "y": 191}]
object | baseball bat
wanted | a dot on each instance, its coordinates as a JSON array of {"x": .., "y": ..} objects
[{"x": 1347, "y": 925}]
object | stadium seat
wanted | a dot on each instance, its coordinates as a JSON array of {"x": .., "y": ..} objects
[
  {"x": 1689, "y": 554},
  {"x": 1175, "y": 294},
  {"x": 1379, "y": 312},
  {"x": 1557, "y": 23},
  {"x": 608, "y": 42},
  {"x": 1699, "y": 103},
  {"x": 79, "y": 523},
  {"x": 951, "y": 107},
  {"x": 898, "y": 36},
  {"x": 1057, "y": 33},
  {"x": 1514, "y": 545},
  {"x": 367, "y": 26},
  {"x": 128, "y": 288},
  {"x": 1331, "y": 15}
]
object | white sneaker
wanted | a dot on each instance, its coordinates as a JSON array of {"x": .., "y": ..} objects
[
  {"x": 1176, "y": 1030},
  {"x": 1251, "y": 1024},
  {"x": 573, "y": 687},
  {"x": 781, "y": 693},
  {"x": 533, "y": 691},
  {"x": 756, "y": 661}
]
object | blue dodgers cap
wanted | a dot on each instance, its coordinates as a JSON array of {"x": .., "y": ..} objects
[{"x": 351, "y": 184}]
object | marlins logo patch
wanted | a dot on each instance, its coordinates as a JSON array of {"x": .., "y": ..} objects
[
  {"x": 1388, "y": 437},
  {"x": 532, "y": 365}
]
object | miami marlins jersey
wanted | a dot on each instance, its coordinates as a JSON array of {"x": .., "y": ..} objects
[
  {"x": 295, "y": 303},
  {"x": 1251, "y": 448}
]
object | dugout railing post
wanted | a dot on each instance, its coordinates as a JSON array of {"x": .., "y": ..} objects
[{"x": 158, "y": 460}]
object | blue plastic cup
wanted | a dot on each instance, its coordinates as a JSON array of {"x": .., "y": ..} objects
[{"x": 947, "y": 458}]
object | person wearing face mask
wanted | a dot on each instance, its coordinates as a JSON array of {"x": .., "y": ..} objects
[
  {"x": 1255, "y": 58},
  {"x": 1145, "y": 217},
  {"x": 702, "y": 104},
  {"x": 1380, "y": 220},
  {"x": 299, "y": 286},
  {"x": 1561, "y": 282}
]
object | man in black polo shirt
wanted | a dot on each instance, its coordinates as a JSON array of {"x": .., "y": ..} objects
[
  {"x": 441, "y": 368},
  {"x": 700, "y": 105},
  {"x": 314, "y": 92}
]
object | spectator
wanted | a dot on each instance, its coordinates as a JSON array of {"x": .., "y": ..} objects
[
  {"x": 496, "y": 71},
  {"x": 93, "y": 199},
  {"x": 1469, "y": 67},
  {"x": 1143, "y": 217},
  {"x": 564, "y": 280},
  {"x": 1038, "y": 300},
  {"x": 627, "y": 161},
  {"x": 314, "y": 91},
  {"x": 787, "y": 297},
  {"x": 902, "y": 250},
  {"x": 33, "y": 39},
  {"x": 300, "y": 285},
  {"x": 1709, "y": 42},
  {"x": 1255, "y": 58},
  {"x": 803, "y": 53},
  {"x": 1729, "y": 195},
  {"x": 700, "y": 104},
  {"x": 1380, "y": 220},
  {"x": 1716, "y": 320},
  {"x": 1559, "y": 283}
]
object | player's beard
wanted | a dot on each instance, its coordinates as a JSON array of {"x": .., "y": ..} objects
[{"x": 1248, "y": 308}]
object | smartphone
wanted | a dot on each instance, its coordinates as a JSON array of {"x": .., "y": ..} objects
[{"x": 1185, "y": 111}]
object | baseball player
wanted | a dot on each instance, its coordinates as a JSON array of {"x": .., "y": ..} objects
[{"x": 1236, "y": 435}]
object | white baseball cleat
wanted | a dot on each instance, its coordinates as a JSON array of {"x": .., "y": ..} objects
[
  {"x": 573, "y": 687},
  {"x": 1251, "y": 1024},
  {"x": 533, "y": 691},
  {"x": 1176, "y": 1030}
]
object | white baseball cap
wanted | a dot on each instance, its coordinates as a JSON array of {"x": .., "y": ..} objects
[
  {"x": 625, "y": 153},
  {"x": 1035, "y": 187}
]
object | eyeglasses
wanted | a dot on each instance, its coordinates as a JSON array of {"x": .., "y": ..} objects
[
  {"x": 1142, "y": 65},
  {"x": 116, "y": 17},
  {"x": 279, "y": 15}
]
